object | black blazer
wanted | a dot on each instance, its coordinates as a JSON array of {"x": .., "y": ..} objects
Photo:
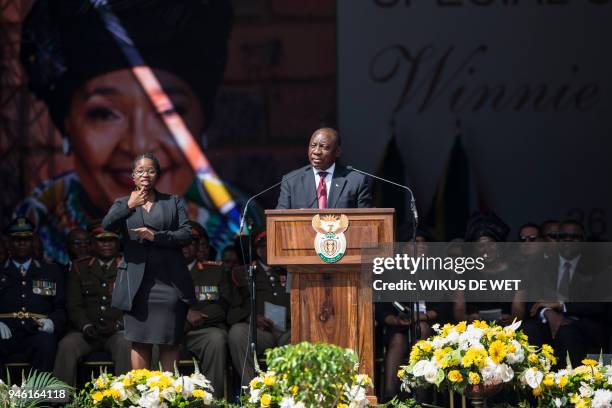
[
  {"x": 168, "y": 243},
  {"x": 348, "y": 189}
]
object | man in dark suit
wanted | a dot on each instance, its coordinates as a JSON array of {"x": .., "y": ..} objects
[
  {"x": 325, "y": 183},
  {"x": 571, "y": 325}
]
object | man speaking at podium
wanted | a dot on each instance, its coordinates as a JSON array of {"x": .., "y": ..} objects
[{"x": 325, "y": 183}]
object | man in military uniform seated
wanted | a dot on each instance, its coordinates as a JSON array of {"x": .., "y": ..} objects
[
  {"x": 206, "y": 319},
  {"x": 32, "y": 314},
  {"x": 95, "y": 325},
  {"x": 272, "y": 298}
]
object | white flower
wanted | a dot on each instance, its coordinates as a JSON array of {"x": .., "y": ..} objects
[
  {"x": 602, "y": 399},
  {"x": 470, "y": 338},
  {"x": 504, "y": 372},
  {"x": 430, "y": 373},
  {"x": 254, "y": 398},
  {"x": 141, "y": 387},
  {"x": 150, "y": 399},
  {"x": 453, "y": 336},
  {"x": 169, "y": 394},
  {"x": 289, "y": 402},
  {"x": 518, "y": 355},
  {"x": 513, "y": 327},
  {"x": 489, "y": 375},
  {"x": 118, "y": 385},
  {"x": 436, "y": 327},
  {"x": 558, "y": 402},
  {"x": 585, "y": 390},
  {"x": 532, "y": 377},
  {"x": 418, "y": 370},
  {"x": 438, "y": 342},
  {"x": 201, "y": 381}
]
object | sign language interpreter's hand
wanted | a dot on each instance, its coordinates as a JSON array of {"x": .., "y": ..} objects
[
  {"x": 144, "y": 233},
  {"x": 137, "y": 198}
]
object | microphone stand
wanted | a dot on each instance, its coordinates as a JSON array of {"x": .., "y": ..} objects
[
  {"x": 415, "y": 222},
  {"x": 252, "y": 274}
]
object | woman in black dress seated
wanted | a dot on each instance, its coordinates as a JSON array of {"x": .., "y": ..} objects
[{"x": 156, "y": 288}]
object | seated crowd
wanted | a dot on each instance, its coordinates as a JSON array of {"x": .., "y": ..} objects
[{"x": 56, "y": 315}]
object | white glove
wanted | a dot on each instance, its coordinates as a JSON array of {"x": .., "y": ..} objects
[
  {"x": 46, "y": 325},
  {"x": 5, "y": 332}
]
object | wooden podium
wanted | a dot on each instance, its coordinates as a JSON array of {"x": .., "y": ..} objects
[{"x": 330, "y": 302}]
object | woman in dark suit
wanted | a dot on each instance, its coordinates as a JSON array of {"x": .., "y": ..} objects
[{"x": 155, "y": 288}]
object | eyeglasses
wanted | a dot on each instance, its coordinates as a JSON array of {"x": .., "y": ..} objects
[
  {"x": 80, "y": 242},
  {"x": 570, "y": 235},
  {"x": 150, "y": 171},
  {"x": 528, "y": 238}
]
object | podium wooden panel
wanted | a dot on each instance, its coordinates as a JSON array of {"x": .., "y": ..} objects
[{"x": 330, "y": 302}]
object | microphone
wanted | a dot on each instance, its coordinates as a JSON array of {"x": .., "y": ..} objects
[
  {"x": 413, "y": 208},
  {"x": 248, "y": 202}
]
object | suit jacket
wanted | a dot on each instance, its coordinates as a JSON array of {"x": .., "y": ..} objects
[
  {"x": 348, "y": 189},
  {"x": 167, "y": 244},
  {"x": 583, "y": 286}
]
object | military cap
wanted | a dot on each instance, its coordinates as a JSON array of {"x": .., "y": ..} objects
[{"x": 20, "y": 227}]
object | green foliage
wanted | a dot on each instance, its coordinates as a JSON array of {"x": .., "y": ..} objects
[
  {"x": 35, "y": 381},
  {"x": 318, "y": 370}
]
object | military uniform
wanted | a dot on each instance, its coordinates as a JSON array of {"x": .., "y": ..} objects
[
  {"x": 88, "y": 297},
  {"x": 30, "y": 293},
  {"x": 209, "y": 341},
  {"x": 271, "y": 283}
]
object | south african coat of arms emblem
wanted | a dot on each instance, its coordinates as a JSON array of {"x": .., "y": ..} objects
[{"x": 330, "y": 243}]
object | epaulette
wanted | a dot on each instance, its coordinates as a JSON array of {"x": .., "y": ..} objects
[{"x": 91, "y": 261}]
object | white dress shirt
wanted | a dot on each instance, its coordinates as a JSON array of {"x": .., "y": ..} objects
[
  {"x": 25, "y": 265},
  {"x": 328, "y": 177}
]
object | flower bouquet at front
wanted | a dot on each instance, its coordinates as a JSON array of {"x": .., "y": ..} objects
[
  {"x": 145, "y": 388},
  {"x": 309, "y": 375},
  {"x": 588, "y": 385},
  {"x": 474, "y": 359}
]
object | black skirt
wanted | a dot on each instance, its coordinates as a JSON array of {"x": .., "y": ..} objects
[{"x": 158, "y": 315}]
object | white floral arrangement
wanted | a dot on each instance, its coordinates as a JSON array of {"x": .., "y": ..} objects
[
  {"x": 148, "y": 389},
  {"x": 464, "y": 356},
  {"x": 586, "y": 386}
]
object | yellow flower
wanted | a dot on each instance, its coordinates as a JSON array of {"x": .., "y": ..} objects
[
  {"x": 582, "y": 403},
  {"x": 589, "y": 362},
  {"x": 446, "y": 329},
  {"x": 401, "y": 373},
  {"x": 424, "y": 345},
  {"x": 511, "y": 348},
  {"x": 473, "y": 378},
  {"x": 455, "y": 376},
  {"x": 269, "y": 380},
  {"x": 199, "y": 393},
  {"x": 563, "y": 381},
  {"x": 537, "y": 392},
  {"x": 127, "y": 381},
  {"x": 476, "y": 356},
  {"x": 461, "y": 327},
  {"x": 97, "y": 397},
  {"x": 533, "y": 358},
  {"x": 480, "y": 324},
  {"x": 341, "y": 405},
  {"x": 497, "y": 351},
  {"x": 294, "y": 390},
  {"x": 265, "y": 400},
  {"x": 255, "y": 382},
  {"x": 101, "y": 382},
  {"x": 549, "y": 380},
  {"x": 179, "y": 388},
  {"x": 415, "y": 355}
]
